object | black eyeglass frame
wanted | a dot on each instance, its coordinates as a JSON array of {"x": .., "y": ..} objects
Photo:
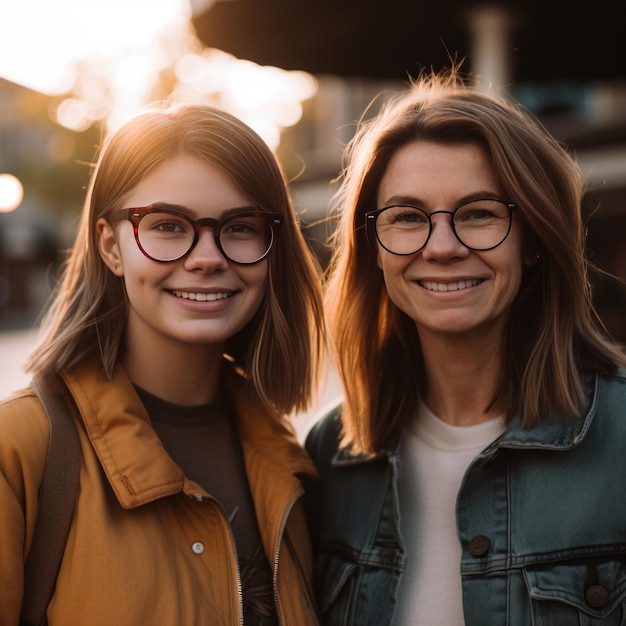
[
  {"x": 135, "y": 214},
  {"x": 372, "y": 216}
]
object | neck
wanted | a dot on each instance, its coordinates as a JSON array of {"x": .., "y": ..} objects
[
  {"x": 181, "y": 374},
  {"x": 461, "y": 377}
]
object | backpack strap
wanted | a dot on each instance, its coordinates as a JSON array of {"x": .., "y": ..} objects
[{"x": 57, "y": 500}]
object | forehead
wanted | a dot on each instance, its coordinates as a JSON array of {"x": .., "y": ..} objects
[
  {"x": 437, "y": 172},
  {"x": 188, "y": 181}
]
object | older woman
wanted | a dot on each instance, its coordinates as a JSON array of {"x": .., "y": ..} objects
[{"x": 475, "y": 473}]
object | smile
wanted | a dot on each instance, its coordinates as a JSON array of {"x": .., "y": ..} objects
[
  {"x": 201, "y": 297},
  {"x": 457, "y": 286}
]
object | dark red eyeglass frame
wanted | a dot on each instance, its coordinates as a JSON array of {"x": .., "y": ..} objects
[{"x": 135, "y": 214}]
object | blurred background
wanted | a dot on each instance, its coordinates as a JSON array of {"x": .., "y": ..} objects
[{"x": 301, "y": 73}]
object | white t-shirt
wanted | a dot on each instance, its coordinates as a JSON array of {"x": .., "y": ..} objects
[{"x": 433, "y": 459}]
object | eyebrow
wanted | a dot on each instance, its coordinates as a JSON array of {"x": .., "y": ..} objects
[
  {"x": 414, "y": 201},
  {"x": 181, "y": 208}
]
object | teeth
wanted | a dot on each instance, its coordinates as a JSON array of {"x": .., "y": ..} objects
[
  {"x": 200, "y": 297},
  {"x": 461, "y": 284}
]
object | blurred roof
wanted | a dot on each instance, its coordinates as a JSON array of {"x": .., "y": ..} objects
[{"x": 394, "y": 38}]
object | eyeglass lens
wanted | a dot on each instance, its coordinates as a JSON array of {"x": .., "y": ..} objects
[
  {"x": 479, "y": 225},
  {"x": 167, "y": 236}
]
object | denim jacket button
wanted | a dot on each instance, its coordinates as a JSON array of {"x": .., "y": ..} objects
[
  {"x": 479, "y": 545},
  {"x": 597, "y": 596}
]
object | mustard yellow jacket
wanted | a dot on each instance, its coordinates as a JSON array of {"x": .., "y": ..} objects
[{"x": 129, "y": 558}]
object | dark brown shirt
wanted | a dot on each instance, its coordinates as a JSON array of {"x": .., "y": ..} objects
[{"x": 204, "y": 442}]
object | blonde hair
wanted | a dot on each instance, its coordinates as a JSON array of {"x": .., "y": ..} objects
[
  {"x": 281, "y": 349},
  {"x": 554, "y": 336}
]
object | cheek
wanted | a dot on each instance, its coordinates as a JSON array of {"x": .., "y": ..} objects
[
  {"x": 257, "y": 284},
  {"x": 519, "y": 258},
  {"x": 256, "y": 278},
  {"x": 140, "y": 271},
  {"x": 391, "y": 265},
  {"x": 393, "y": 269},
  {"x": 130, "y": 254},
  {"x": 510, "y": 271}
]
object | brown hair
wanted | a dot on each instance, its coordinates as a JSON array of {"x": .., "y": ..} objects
[
  {"x": 554, "y": 336},
  {"x": 281, "y": 348}
]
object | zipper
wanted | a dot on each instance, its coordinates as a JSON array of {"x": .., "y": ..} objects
[
  {"x": 281, "y": 532},
  {"x": 225, "y": 519}
]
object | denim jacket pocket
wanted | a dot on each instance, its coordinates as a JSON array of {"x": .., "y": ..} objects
[
  {"x": 358, "y": 587},
  {"x": 336, "y": 580},
  {"x": 588, "y": 592}
]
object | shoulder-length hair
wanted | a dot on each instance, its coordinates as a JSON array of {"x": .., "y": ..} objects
[
  {"x": 280, "y": 350},
  {"x": 554, "y": 336}
]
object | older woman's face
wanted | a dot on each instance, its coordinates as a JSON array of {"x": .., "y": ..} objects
[{"x": 447, "y": 288}]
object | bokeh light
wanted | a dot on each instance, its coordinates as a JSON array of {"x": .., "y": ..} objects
[
  {"x": 11, "y": 193},
  {"x": 42, "y": 40},
  {"x": 267, "y": 98},
  {"x": 103, "y": 60}
]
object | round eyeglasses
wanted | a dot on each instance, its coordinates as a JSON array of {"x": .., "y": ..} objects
[
  {"x": 478, "y": 224},
  {"x": 166, "y": 234}
]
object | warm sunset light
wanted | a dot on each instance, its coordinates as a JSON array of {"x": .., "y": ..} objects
[
  {"x": 11, "y": 193},
  {"x": 42, "y": 40},
  {"x": 102, "y": 60},
  {"x": 266, "y": 98}
]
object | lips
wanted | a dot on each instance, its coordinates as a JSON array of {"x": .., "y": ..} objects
[
  {"x": 201, "y": 297},
  {"x": 432, "y": 285}
]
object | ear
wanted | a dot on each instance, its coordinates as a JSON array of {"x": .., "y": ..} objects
[
  {"x": 530, "y": 249},
  {"x": 531, "y": 258},
  {"x": 108, "y": 247},
  {"x": 530, "y": 254}
]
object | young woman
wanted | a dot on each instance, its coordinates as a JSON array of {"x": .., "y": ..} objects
[
  {"x": 477, "y": 475},
  {"x": 187, "y": 327}
]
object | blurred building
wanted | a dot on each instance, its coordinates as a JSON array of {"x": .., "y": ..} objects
[{"x": 46, "y": 159}]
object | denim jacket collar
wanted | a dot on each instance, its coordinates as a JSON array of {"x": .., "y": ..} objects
[
  {"x": 552, "y": 434},
  {"x": 555, "y": 433}
]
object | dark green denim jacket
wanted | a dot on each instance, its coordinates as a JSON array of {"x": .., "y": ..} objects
[{"x": 541, "y": 518}]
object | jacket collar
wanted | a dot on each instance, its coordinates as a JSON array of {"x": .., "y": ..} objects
[
  {"x": 132, "y": 455},
  {"x": 555, "y": 433},
  {"x": 268, "y": 434}
]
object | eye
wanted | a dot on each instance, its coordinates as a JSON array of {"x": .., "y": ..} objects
[
  {"x": 160, "y": 223},
  {"x": 404, "y": 216},
  {"x": 476, "y": 214},
  {"x": 169, "y": 226},
  {"x": 410, "y": 217},
  {"x": 243, "y": 226},
  {"x": 481, "y": 211}
]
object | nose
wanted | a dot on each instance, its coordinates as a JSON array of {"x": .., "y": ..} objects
[
  {"x": 443, "y": 244},
  {"x": 205, "y": 255}
]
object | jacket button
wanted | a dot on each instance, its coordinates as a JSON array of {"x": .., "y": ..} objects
[
  {"x": 197, "y": 547},
  {"x": 597, "y": 596},
  {"x": 479, "y": 545}
]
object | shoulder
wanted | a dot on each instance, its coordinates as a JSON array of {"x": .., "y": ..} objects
[
  {"x": 322, "y": 442},
  {"x": 24, "y": 435},
  {"x": 22, "y": 415},
  {"x": 604, "y": 415},
  {"x": 615, "y": 386},
  {"x": 611, "y": 393},
  {"x": 620, "y": 378}
]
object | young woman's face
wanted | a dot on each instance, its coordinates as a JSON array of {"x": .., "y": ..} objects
[
  {"x": 202, "y": 298},
  {"x": 446, "y": 288}
]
